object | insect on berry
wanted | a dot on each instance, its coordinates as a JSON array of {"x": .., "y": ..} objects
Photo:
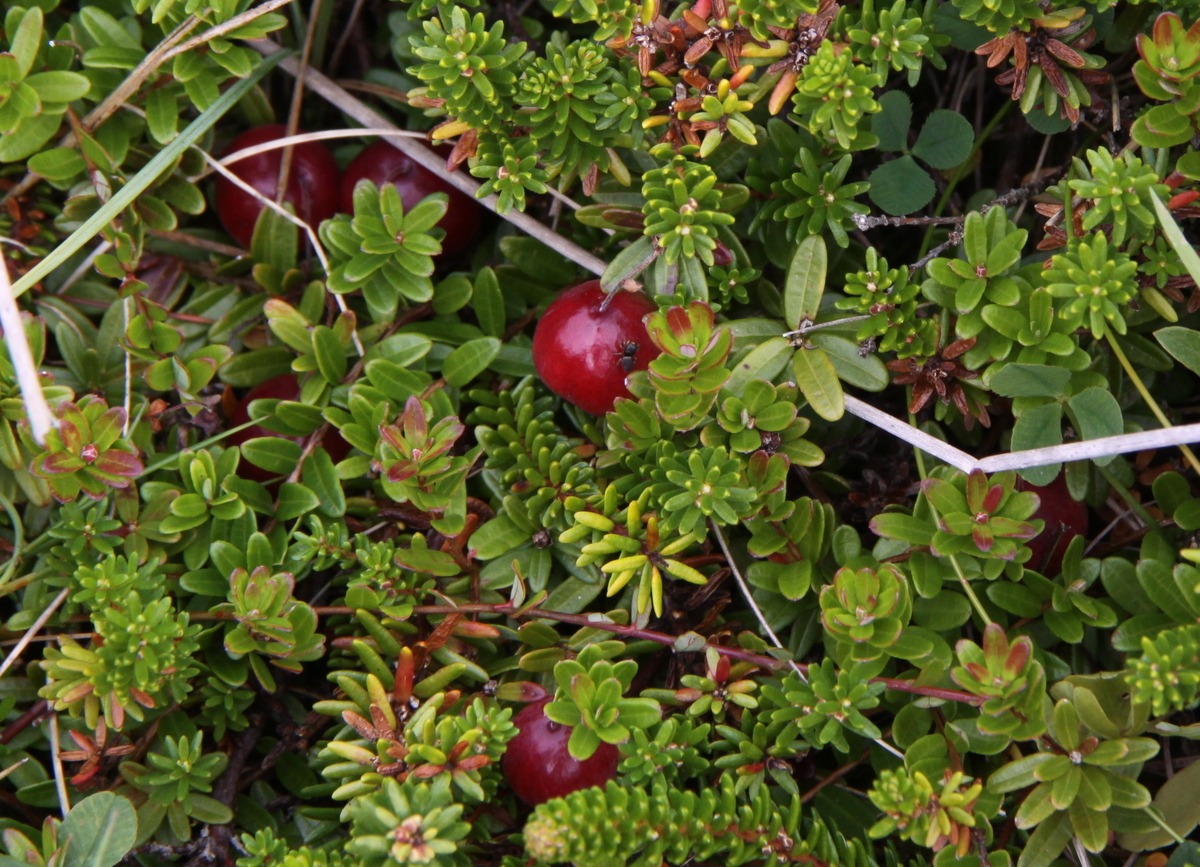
[{"x": 585, "y": 353}]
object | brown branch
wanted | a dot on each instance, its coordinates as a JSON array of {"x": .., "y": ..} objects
[
  {"x": 39, "y": 709},
  {"x": 834, "y": 777},
  {"x": 136, "y": 78},
  {"x": 217, "y": 843}
]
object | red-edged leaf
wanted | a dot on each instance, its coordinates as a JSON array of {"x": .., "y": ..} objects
[
  {"x": 978, "y": 672},
  {"x": 1013, "y": 529},
  {"x": 977, "y": 490},
  {"x": 679, "y": 322},
  {"x": 401, "y": 470},
  {"x": 106, "y": 430},
  {"x": 72, "y": 439},
  {"x": 992, "y": 501},
  {"x": 983, "y": 537},
  {"x": 58, "y": 463},
  {"x": 1022, "y": 649},
  {"x": 995, "y": 642},
  {"x": 119, "y": 463},
  {"x": 416, "y": 429}
]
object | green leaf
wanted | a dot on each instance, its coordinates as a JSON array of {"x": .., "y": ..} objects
[
  {"x": 1159, "y": 583},
  {"x": 150, "y": 172},
  {"x": 295, "y": 500},
  {"x": 101, "y": 829},
  {"x": 891, "y": 124},
  {"x": 628, "y": 263},
  {"x": 1047, "y": 841},
  {"x": 330, "y": 355},
  {"x": 765, "y": 361},
  {"x": 469, "y": 360},
  {"x": 400, "y": 349},
  {"x": 488, "y": 303},
  {"x": 945, "y": 140},
  {"x": 1038, "y": 427},
  {"x": 1030, "y": 380},
  {"x": 818, "y": 381},
  {"x": 1182, "y": 343},
  {"x": 901, "y": 186},
  {"x": 273, "y": 454},
  {"x": 60, "y": 86},
  {"x": 321, "y": 477},
  {"x": 498, "y": 536},
  {"x": 162, "y": 116},
  {"x": 906, "y": 528},
  {"x": 60, "y": 164},
  {"x": 805, "y": 283},
  {"x": 1179, "y": 803},
  {"x": 26, "y": 41},
  {"x": 1098, "y": 415},
  {"x": 863, "y": 371},
  {"x": 275, "y": 241},
  {"x": 1179, "y": 243}
]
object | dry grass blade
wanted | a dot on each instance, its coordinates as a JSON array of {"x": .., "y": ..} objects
[
  {"x": 41, "y": 420},
  {"x": 291, "y": 218},
  {"x": 232, "y": 24},
  {"x": 136, "y": 78},
  {"x": 32, "y": 631},
  {"x": 301, "y": 138},
  {"x": 60, "y": 780},
  {"x": 1097, "y": 448},
  {"x": 427, "y": 159},
  {"x": 762, "y": 620}
]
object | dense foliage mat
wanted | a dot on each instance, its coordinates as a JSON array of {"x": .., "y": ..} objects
[{"x": 345, "y": 521}]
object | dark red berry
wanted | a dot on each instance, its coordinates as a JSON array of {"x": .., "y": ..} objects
[
  {"x": 584, "y": 354},
  {"x": 282, "y": 387},
  {"x": 383, "y": 164},
  {"x": 312, "y": 187},
  {"x": 1065, "y": 519},
  {"x": 538, "y": 766}
]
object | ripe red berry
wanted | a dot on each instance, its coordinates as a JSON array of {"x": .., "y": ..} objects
[
  {"x": 383, "y": 164},
  {"x": 1065, "y": 519},
  {"x": 282, "y": 387},
  {"x": 538, "y": 766},
  {"x": 584, "y": 354},
  {"x": 312, "y": 187}
]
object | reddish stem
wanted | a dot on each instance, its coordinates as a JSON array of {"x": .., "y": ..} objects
[{"x": 626, "y": 632}]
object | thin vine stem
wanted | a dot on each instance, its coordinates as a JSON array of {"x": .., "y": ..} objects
[
  {"x": 1188, "y": 454},
  {"x": 595, "y": 621}
]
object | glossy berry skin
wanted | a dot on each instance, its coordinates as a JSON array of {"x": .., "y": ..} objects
[
  {"x": 1065, "y": 519},
  {"x": 313, "y": 182},
  {"x": 383, "y": 164},
  {"x": 282, "y": 387},
  {"x": 584, "y": 354},
  {"x": 538, "y": 766}
]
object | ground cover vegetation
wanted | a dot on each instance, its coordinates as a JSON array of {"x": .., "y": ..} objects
[{"x": 347, "y": 521}]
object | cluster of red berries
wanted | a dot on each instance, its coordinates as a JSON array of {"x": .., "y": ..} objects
[{"x": 317, "y": 189}]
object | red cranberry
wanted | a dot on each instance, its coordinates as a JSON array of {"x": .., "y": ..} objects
[
  {"x": 538, "y": 766},
  {"x": 282, "y": 387},
  {"x": 584, "y": 354},
  {"x": 312, "y": 187},
  {"x": 1065, "y": 519},
  {"x": 383, "y": 164}
]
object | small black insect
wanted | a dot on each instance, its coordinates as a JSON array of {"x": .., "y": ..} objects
[{"x": 628, "y": 356}]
